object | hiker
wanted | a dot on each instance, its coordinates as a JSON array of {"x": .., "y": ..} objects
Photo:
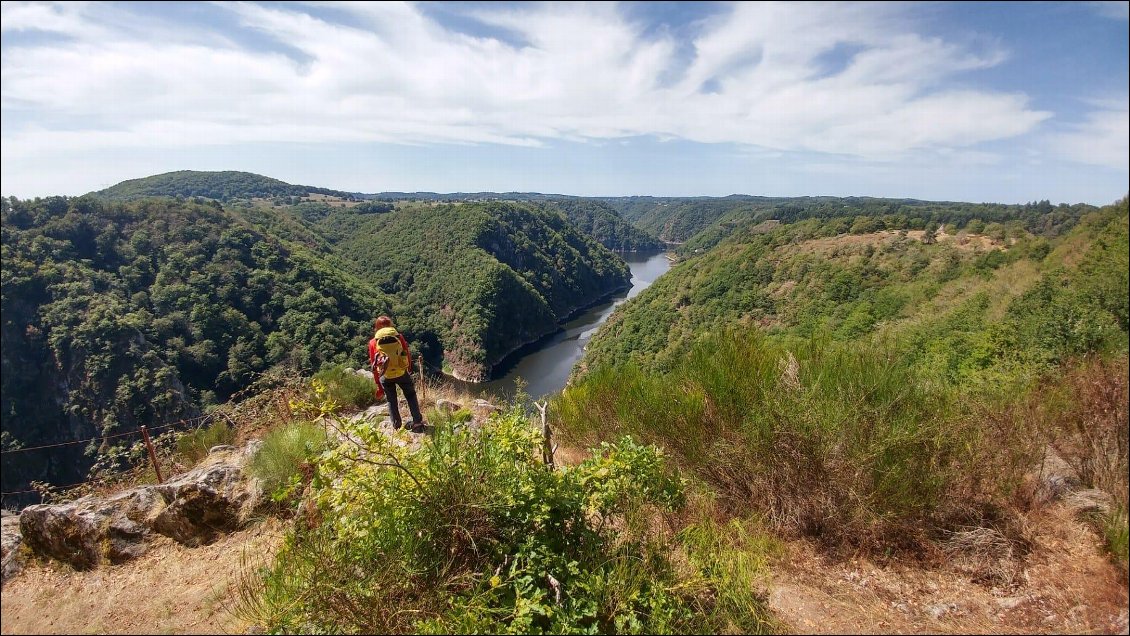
[{"x": 391, "y": 361}]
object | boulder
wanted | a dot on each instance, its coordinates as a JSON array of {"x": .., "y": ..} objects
[
  {"x": 10, "y": 543},
  {"x": 482, "y": 407},
  {"x": 210, "y": 499},
  {"x": 192, "y": 508},
  {"x": 1057, "y": 478},
  {"x": 88, "y": 531}
]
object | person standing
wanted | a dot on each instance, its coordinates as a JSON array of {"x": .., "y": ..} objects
[{"x": 391, "y": 361}]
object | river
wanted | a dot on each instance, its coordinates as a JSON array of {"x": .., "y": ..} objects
[{"x": 546, "y": 368}]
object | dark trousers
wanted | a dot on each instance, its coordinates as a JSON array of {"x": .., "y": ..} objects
[{"x": 405, "y": 383}]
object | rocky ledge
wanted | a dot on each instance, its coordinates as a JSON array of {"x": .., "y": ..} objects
[{"x": 193, "y": 508}]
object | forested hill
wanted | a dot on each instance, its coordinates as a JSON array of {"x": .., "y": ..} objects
[
  {"x": 600, "y": 221},
  {"x": 473, "y": 281},
  {"x": 122, "y": 314},
  {"x": 595, "y": 218},
  {"x": 117, "y": 314},
  {"x": 221, "y": 186},
  {"x": 1058, "y": 278},
  {"x": 702, "y": 222}
]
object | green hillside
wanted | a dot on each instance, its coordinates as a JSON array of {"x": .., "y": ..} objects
[
  {"x": 845, "y": 277},
  {"x": 122, "y": 314},
  {"x": 600, "y": 221},
  {"x": 700, "y": 223},
  {"x": 875, "y": 391},
  {"x": 472, "y": 281},
  {"x": 221, "y": 186}
]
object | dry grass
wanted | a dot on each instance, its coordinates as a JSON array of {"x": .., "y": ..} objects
[
  {"x": 1095, "y": 426},
  {"x": 1063, "y": 585},
  {"x": 173, "y": 589}
]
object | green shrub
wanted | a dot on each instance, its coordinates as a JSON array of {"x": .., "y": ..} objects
[
  {"x": 472, "y": 533},
  {"x": 347, "y": 388},
  {"x": 193, "y": 446},
  {"x": 285, "y": 451},
  {"x": 839, "y": 441},
  {"x": 440, "y": 417}
]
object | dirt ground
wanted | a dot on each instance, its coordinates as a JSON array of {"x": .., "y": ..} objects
[
  {"x": 1064, "y": 585},
  {"x": 172, "y": 589}
]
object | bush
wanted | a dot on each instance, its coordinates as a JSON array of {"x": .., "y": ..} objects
[
  {"x": 285, "y": 456},
  {"x": 193, "y": 446},
  {"x": 839, "y": 441},
  {"x": 347, "y": 388},
  {"x": 472, "y": 533},
  {"x": 1116, "y": 531}
]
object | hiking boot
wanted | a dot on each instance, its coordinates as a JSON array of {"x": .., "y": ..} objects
[{"x": 418, "y": 427}]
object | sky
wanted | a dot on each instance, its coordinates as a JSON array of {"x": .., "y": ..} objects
[{"x": 985, "y": 102}]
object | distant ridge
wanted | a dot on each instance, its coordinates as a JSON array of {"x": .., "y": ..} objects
[{"x": 221, "y": 185}]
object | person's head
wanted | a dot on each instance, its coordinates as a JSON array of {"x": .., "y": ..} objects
[{"x": 382, "y": 322}]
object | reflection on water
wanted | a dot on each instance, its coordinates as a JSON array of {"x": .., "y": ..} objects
[{"x": 546, "y": 369}]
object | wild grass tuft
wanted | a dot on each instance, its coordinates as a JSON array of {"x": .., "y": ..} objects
[
  {"x": 347, "y": 387},
  {"x": 285, "y": 455},
  {"x": 193, "y": 446}
]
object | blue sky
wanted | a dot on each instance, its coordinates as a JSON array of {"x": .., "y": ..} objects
[{"x": 1003, "y": 102}]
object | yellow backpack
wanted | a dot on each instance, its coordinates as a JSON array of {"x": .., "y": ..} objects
[{"x": 388, "y": 341}]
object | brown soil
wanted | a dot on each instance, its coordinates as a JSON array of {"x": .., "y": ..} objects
[
  {"x": 1066, "y": 585},
  {"x": 172, "y": 589}
]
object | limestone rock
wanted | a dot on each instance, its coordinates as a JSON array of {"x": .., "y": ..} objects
[
  {"x": 210, "y": 499},
  {"x": 88, "y": 531},
  {"x": 482, "y": 407}
]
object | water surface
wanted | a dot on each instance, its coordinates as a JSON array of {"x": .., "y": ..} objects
[{"x": 546, "y": 368}]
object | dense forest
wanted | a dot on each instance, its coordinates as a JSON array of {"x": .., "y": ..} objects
[
  {"x": 600, "y": 221},
  {"x": 122, "y": 314}
]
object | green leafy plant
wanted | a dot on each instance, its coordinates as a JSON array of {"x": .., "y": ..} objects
[{"x": 472, "y": 533}]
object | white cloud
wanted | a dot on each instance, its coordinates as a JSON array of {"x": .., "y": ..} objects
[
  {"x": 392, "y": 74},
  {"x": 1102, "y": 139},
  {"x": 1116, "y": 9}
]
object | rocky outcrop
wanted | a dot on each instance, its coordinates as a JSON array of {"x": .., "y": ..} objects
[
  {"x": 10, "y": 542},
  {"x": 193, "y": 508}
]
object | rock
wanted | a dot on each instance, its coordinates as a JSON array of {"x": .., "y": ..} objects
[
  {"x": 483, "y": 407},
  {"x": 221, "y": 447},
  {"x": 88, "y": 531},
  {"x": 379, "y": 409},
  {"x": 365, "y": 373},
  {"x": 10, "y": 542},
  {"x": 192, "y": 508},
  {"x": 212, "y": 498},
  {"x": 1057, "y": 477},
  {"x": 941, "y": 609},
  {"x": 1090, "y": 501},
  {"x": 447, "y": 406},
  {"x": 1010, "y": 602}
]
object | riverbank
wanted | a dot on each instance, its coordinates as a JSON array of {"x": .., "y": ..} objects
[{"x": 544, "y": 365}]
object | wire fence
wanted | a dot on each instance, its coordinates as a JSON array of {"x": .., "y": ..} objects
[{"x": 8, "y": 453}]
